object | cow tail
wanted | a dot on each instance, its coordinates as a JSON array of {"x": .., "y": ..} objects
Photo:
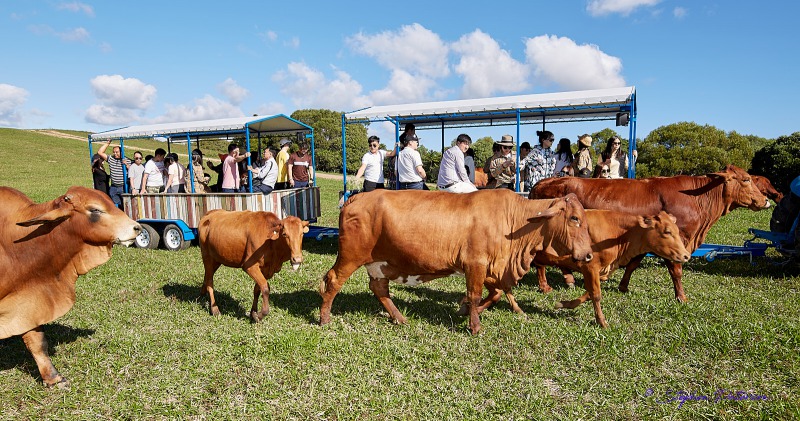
[{"x": 323, "y": 284}]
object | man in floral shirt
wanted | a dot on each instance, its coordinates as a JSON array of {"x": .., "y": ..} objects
[{"x": 541, "y": 162}]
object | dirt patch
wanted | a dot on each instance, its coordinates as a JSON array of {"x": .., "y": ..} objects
[{"x": 62, "y": 135}]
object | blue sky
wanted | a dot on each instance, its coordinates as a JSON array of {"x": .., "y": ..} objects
[{"x": 92, "y": 65}]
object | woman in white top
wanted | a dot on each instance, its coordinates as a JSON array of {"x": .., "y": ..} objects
[
  {"x": 372, "y": 165},
  {"x": 615, "y": 158},
  {"x": 176, "y": 181},
  {"x": 564, "y": 158}
]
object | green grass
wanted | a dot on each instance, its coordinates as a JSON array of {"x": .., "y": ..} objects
[{"x": 139, "y": 343}]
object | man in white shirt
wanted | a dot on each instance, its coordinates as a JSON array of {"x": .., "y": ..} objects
[
  {"x": 135, "y": 173},
  {"x": 453, "y": 175},
  {"x": 372, "y": 165},
  {"x": 153, "y": 178},
  {"x": 409, "y": 165}
]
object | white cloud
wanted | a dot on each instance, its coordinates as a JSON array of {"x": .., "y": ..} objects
[
  {"x": 403, "y": 87},
  {"x": 11, "y": 100},
  {"x": 486, "y": 68},
  {"x": 105, "y": 47},
  {"x": 572, "y": 66},
  {"x": 77, "y": 7},
  {"x": 120, "y": 100},
  {"x": 294, "y": 42},
  {"x": 110, "y": 116},
  {"x": 270, "y": 35},
  {"x": 413, "y": 48},
  {"x": 117, "y": 91},
  {"x": 679, "y": 12},
  {"x": 272, "y": 108},
  {"x": 623, "y": 7},
  {"x": 311, "y": 88},
  {"x": 231, "y": 90},
  {"x": 74, "y": 35},
  {"x": 205, "y": 108}
]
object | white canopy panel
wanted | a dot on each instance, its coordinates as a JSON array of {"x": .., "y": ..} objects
[
  {"x": 257, "y": 124},
  {"x": 589, "y": 104}
]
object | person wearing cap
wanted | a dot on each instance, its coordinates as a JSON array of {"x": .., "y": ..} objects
[
  {"x": 502, "y": 168},
  {"x": 583, "y": 159},
  {"x": 372, "y": 165},
  {"x": 409, "y": 165},
  {"x": 453, "y": 175},
  {"x": 282, "y": 158},
  {"x": 541, "y": 161},
  {"x": 300, "y": 168}
]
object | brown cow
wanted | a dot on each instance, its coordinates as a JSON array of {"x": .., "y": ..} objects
[
  {"x": 696, "y": 201},
  {"x": 767, "y": 189},
  {"x": 412, "y": 237},
  {"x": 43, "y": 249},
  {"x": 257, "y": 242}
]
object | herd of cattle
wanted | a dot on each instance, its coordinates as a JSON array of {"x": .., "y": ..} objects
[{"x": 491, "y": 237}]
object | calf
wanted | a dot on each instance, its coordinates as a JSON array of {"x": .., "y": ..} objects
[{"x": 257, "y": 242}]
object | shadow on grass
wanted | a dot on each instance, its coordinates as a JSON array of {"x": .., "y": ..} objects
[
  {"x": 16, "y": 355},
  {"x": 326, "y": 246},
  {"x": 191, "y": 294}
]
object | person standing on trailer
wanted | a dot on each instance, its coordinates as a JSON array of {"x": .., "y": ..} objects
[{"x": 115, "y": 163}]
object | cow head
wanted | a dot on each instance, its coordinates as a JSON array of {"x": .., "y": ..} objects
[
  {"x": 292, "y": 230},
  {"x": 663, "y": 237},
  {"x": 565, "y": 229},
  {"x": 92, "y": 217},
  {"x": 739, "y": 191},
  {"x": 766, "y": 188}
]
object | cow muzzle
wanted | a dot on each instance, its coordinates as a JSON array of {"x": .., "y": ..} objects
[
  {"x": 296, "y": 263},
  {"x": 129, "y": 236}
]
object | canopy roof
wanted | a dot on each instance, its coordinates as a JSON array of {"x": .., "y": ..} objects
[
  {"x": 208, "y": 128},
  {"x": 598, "y": 104}
]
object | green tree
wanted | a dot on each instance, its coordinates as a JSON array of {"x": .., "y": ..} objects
[
  {"x": 779, "y": 161},
  {"x": 327, "y": 126},
  {"x": 431, "y": 160},
  {"x": 483, "y": 150},
  {"x": 689, "y": 148}
]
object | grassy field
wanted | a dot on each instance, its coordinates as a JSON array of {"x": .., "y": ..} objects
[{"x": 139, "y": 343}]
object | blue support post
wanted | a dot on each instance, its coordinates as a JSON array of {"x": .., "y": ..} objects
[
  {"x": 191, "y": 161},
  {"x": 516, "y": 188},
  {"x": 344, "y": 155}
]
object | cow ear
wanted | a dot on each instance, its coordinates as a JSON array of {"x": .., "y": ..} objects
[
  {"x": 646, "y": 222},
  {"x": 305, "y": 227},
  {"x": 276, "y": 231},
  {"x": 63, "y": 211},
  {"x": 548, "y": 213},
  {"x": 671, "y": 217}
]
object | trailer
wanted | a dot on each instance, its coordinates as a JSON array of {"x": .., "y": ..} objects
[{"x": 172, "y": 219}]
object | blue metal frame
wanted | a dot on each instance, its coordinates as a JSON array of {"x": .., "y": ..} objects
[{"x": 523, "y": 116}]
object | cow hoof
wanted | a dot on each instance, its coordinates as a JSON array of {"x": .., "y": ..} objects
[
  {"x": 603, "y": 324},
  {"x": 546, "y": 290},
  {"x": 623, "y": 289},
  {"x": 62, "y": 383},
  {"x": 255, "y": 317},
  {"x": 559, "y": 305},
  {"x": 215, "y": 311},
  {"x": 682, "y": 299},
  {"x": 475, "y": 330},
  {"x": 400, "y": 320}
]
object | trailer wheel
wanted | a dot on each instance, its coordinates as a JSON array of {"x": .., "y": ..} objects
[
  {"x": 173, "y": 238},
  {"x": 148, "y": 238}
]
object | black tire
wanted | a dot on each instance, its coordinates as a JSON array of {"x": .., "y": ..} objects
[
  {"x": 148, "y": 238},
  {"x": 172, "y": 237}
]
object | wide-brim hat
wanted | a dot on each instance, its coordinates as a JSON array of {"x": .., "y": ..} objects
[
  {"x": 504, "y": 143},
  {"x": 585, "y": 141}
]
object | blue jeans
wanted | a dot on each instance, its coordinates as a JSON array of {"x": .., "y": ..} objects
[
  {"x": 229, "y": 191},
  {"x": 416, "y": 185},
  {"x": 300, "y": 184},
  {"x": 116, "y": 195}
]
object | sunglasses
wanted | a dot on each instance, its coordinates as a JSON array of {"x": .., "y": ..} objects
[
  {"x": 374, "y": 145},
  {"x": 137, "y": 158},
  {"x": 615, "y": 143}
]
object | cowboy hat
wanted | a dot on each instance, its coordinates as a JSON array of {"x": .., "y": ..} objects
[
  {"x": 506, "y": 140},
  {"x": 585, "y": 140}
]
